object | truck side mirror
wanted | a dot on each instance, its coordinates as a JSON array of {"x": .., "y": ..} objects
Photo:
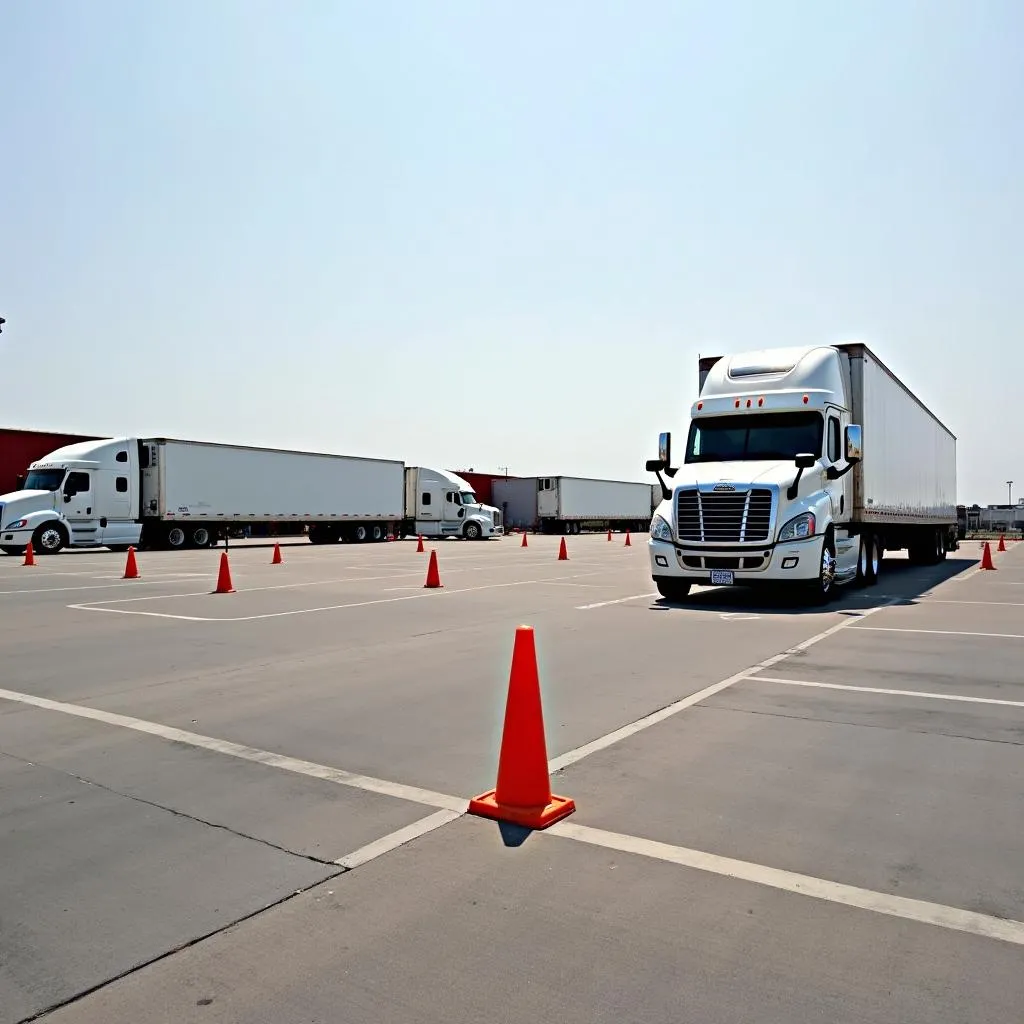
[
  {"x": 854, "y": 443},
  {"x": 665, "y": 449},
  {"x": 806, "y": 460}
]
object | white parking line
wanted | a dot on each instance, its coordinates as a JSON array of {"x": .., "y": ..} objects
[
  {"x": 937, "y": 914},
  {"x": 413, "y": 794},
  {"x": 397, "y": 838},
  {"x": 618, "y": 600},
  {"x": 930, "y": 695},
  {"x": 996, "y": 604},
  {"x": 611, "y": 738},
  {"x": 941, "y": 632},
  {"x": 102, "y": 606}
]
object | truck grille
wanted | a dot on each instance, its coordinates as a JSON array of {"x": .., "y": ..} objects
[{"x": 725, "y": 517}]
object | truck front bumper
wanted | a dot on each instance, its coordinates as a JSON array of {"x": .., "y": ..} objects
[
  {"x": 16, "y": 538},
  {"x": 789, "y": 562}
]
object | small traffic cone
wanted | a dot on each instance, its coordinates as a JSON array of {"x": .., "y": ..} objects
[
  {"x": 131, "y": 570},
  {"x": 563, "y": 554},
  {"x": 419, "y": 545},
  {"x": 224, "y": 576},
  {"x": 609, "y": 535},
  {"x": 523, "y": 794},
  {"x": 986, "y": 558},
  {"x": 390, "y": 538},
  {"x": 524, "y": 544},
  {"x": 30, "y": 557},
  {"x": 433, "y": 576},
  {"x": 277, "y": 559},
  {"x": 1002, "y": 543},
  {"x": 628, "y": 543}
]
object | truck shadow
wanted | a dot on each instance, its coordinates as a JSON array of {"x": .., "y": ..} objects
[{"x": 898, "y": 580}]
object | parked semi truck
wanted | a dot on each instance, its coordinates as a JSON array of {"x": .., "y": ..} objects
[
  {"x": 164, "y": 493},
  {"x": 802, "y": 466},
  {"x": 570, "y": 504}
]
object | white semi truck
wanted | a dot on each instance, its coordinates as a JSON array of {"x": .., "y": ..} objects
[
  {"x": 570, "y": 504},
  {"x": 163, "y": 493},
  {"x": 802, "y": 466}
]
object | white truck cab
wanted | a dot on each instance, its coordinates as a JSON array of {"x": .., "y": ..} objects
[
  {"x": 82, "y": 495},
  {"x": 441, "y": 504}
]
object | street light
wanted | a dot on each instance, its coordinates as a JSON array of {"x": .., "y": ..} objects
[{"x": 1009, "y": 485}]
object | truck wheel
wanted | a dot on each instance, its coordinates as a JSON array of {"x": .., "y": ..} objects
[
  {"x": 673, "y": 590},
  {"x": 175, "y": 538},
  {"x": 201, "y": 537},
  {"x": 359, "y": 534},
  {"x": 864, "y": 561},
  {"x": 377, "y": 533},
  {"x": 824, "y": 586},
  {"x": 473, "y": 531},
  {"x": 49, "y": 539},
  {"x": 875, "y": 559}
]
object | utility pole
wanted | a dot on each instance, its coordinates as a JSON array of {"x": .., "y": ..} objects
[{"x": 1009, "y": 485}]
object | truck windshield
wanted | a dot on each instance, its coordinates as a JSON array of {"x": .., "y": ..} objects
[
  {"x": 44, "y": 480},
  {"x": 765, "y": 436},
  {"x": 469, "y": 498}
]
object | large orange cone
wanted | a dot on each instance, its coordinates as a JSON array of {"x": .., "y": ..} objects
[
  {"x": 523, "y": 793},
  {"x": 986, "y": 558},
  {"x": 628, "y": 543},
  {"x": 563, "y": 554},
  {"x": 433, "y": 576},
  {"x": 609, "y": 535},
  {"x": 1002, "y": 543},
  {"x": 131, "y": 570},
  {"x": 224, "y": 576},
  {"x": 277, "y": 559},
  {"x": 419, "y": 545},
  {"x": 30, "y": 557},
  {"x": 524, "y": 544}
]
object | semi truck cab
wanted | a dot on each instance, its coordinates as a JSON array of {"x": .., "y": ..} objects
[
  {"x": 82, "y": 495},
  {"x": 764, "y": 492},
  {"x": 442, "y": 504}
]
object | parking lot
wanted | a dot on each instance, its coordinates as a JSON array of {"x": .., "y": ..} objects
[{"x": 251, "y": 806}]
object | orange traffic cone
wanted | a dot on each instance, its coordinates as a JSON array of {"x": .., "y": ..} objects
[
  {"x": 30, "y": 558},
  {"x": 523, "y": 794},
  {"x": 433, "y": 576},
  {"x": 609, "y": 534},
  {"x": 224, "y": 576},
  {"x": 419, "y": 545},
  {"x": 1002, "y": 543},
  {"x": 131, "y": 570},
  {"x": 986, "y": 558},
  {"x": 524, "y": 544},
  {"x": 628, "y": 543},
  {"x": 563, "y": 554},
  {"x": 277, "y": 559}
]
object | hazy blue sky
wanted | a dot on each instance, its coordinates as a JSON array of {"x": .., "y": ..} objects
[{"x": 487, "y": 235}]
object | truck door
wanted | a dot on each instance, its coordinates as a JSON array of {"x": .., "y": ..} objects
[
  {"x": 841, "y": 493},
  {"x": 453, "y": 513},
  {"x": 79, "y": 507}
]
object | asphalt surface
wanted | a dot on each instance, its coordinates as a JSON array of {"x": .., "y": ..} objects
[{"x": 250, "y": 806}]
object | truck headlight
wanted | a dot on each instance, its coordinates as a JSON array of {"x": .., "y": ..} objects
[
  {"x": 799, "y": 527},
  {"x": 660, "y": 530},
  {"x": 18, "y": 524}
]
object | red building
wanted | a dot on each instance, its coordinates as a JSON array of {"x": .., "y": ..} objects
[
  {"x": 20, "y": 448},
  {"x": 481, "y": 482}
]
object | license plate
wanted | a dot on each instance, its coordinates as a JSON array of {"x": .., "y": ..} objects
[{"x": 722, "y": 577}]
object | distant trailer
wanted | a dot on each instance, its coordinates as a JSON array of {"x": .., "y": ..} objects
[{"x": 569, "y": 504}]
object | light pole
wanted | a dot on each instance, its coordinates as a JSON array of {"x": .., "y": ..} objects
[{"x": 1009, "y": 486}]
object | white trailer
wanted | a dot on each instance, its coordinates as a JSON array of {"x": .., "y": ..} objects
[
  {"x": 166, "y": 493},
  {"x": 570, "y": 504},
  {"x": 803, "y": 466}
]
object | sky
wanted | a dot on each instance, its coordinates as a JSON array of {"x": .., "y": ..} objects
[{"x": 498, "y": 236}]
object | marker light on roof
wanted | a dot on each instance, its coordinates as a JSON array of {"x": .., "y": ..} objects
[
  {"x": 760, "y": 402},
  {"x": 748, "y": 403},
  {"x": 737, "y": 403},
  {"x": 807, "y": 398},
  {"x": 700, "y": 405}
]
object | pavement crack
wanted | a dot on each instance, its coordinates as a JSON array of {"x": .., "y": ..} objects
[
  {"x": 172, "y": 810},
  {"x": 181, "y": 947}
]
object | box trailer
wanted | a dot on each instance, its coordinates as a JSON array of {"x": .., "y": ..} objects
[
  {"x": 167, "y": 493},
  {"x": 567, "y": 504},
  {"x": 804, "y": 466}
]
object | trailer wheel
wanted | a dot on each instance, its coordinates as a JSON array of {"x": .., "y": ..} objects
[
  {"x": 175, "y": 538},
  {"x": 201, "y": 537},
  {"x": 377, "y": 532},
  {"x": 875, "y": 558}
]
